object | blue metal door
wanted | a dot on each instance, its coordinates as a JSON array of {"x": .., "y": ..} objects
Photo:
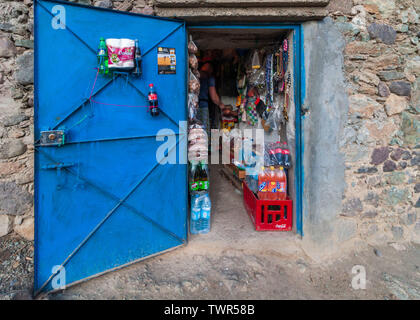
[{"x": 104, "y": 198}]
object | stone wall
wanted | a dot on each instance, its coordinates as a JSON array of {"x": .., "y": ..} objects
[
  {"x": 378, "y": 141},
  {"x": 16, "y": 118},
  {"x": 381, "y": 140}
]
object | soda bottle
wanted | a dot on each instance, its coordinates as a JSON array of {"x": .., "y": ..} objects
[
  {"x": 153, "y": 101},
  {"x": 137, "y": 59},
  {"x": 278, "y": 153},
  {"x": 281, "y": 184},
  {"x": 262, "y": 184},
  {"x": 272, "y": 160},
  {"x": 195, "y": 214},
  {"x": 205, "y": 214},
  {"x": 272, "y": 185},
  {"x": 193, "y": 177},
  {"x": 286, "y": 155},
  {"x": 102, "y": 57},
  {"x": 204, "y": 179}
]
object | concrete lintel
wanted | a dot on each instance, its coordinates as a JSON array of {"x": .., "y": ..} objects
[
  {"x": 267, "y": 14},
  {"x": 240, "y": 3}
]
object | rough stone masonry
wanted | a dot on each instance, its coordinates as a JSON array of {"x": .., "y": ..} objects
[{"x": 374, "y": 102}]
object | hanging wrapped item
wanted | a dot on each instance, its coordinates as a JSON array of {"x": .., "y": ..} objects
[
  {"x": 287, "y": 92},
  {"x": 192, "y": 105},
  {"x": 197, "y": 143},
  {"x": 192, "y": 48},
  {"x": 284, "y": 63},
  {"x": 193, "y": 84},
  {"x": 193, "y": 61},
  {"x": 256, "y": 64},
  {"x": 120, "y": 53},
  {"x": 274, "y": 119},
  {"x": 251, "y": 111},
  {"x": 257, "y": 78},
  {"x": 196, "y": 72}
]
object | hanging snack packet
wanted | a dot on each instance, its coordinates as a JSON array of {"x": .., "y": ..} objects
[
  {"x": 193, "y": 61},
  {"x": 256, "y": 60},
  {"x": 193, "y": 84},
  {"x": 192, "y": 48}
]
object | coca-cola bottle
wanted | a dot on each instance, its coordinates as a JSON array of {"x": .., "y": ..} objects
[
  {"x": 153, "y": 101},
  {"x": 279, "y": 153},
  {"x": 286, "y": 155}
]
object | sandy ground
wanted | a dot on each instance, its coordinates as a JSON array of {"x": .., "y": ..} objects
[{"x": 232, "y": 262}]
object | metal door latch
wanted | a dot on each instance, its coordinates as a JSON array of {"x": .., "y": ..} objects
[{"x": 52, "y": 138}]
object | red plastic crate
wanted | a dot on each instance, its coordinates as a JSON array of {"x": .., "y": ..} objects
[{"x": 268, "y": 215}]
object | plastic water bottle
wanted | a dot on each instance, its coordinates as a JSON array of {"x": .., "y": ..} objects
[
  {"x": 195, "y": 214},
  {"x": 205, "y": 214}
]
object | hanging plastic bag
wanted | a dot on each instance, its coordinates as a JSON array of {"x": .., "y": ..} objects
[
  {"x": 256, "y": 63},
  {"x": 193, "y": 84},
  {"x": 257, "y": 78},
  {"x": 192, "y": 105},
  {"x": 193, "y": 62},
  {"x": 192, "y": 48},
  {"x": 196, "y": 73},
  {"x": 275, "y": 119}
]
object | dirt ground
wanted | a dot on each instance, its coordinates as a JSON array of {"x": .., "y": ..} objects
[{"x": 231, "y": 262}]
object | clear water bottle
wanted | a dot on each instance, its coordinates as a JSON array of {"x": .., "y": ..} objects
[
  {"x": 205, "y": 214},
  {"x": 195, "y": 214}
]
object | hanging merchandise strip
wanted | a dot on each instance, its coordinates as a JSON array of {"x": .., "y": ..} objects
[
  {"x": 251, "y": 110},
  {"x": 284, "y": 64},
  {"x": 288, "y": 85}
]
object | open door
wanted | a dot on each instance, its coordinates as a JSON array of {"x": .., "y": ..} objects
[{"x": 103, "y": 197}]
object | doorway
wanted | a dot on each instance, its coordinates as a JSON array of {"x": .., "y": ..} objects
[{"x": 223, "y": 45}]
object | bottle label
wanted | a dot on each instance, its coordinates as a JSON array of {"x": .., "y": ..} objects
[
  {"x": 205, "y": 214},
  {"x": 280, "y": 187},
  {"x": 195, "y": 214},
  {"x": 152, "y": 96},
  {"x": 194, "y": 186},
  {"x": 272, "y": 187},
  {"x": 262, "y": 187},
  {"x": 204, "y": 185}
]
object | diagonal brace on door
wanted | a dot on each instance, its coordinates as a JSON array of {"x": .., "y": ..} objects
[{"x": 120, "y": 202}]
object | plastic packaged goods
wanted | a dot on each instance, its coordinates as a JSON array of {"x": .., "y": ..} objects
[
  {"x": 272, "y": 185},
  {"x": 192, "y": 48},
  {"x": 262, "y": 184},
  {"x": 286, "y": 155},
  {"x": 102, "y": 56},
  {"x": 193, "y": 61},
  {"x": 120, "y": 53},
  {"x": 200, "y": 213},
  {"x": 205, "y": 214},
  {"x": 256, "y": 64},
  {"x": 196, "y": 72},
  {"x": 281, "y": 184},
  {"x": 199, "y": 177},
  {"x": 192, "y": 105},
  {"x": 195, "y": 214},
  {"x": 193, "y": 84}
]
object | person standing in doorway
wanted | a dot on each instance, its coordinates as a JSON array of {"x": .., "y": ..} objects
[{"x": 207, "y": 91}]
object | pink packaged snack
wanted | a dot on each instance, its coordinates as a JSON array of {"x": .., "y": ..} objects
[{"x": 120, "y": 53}]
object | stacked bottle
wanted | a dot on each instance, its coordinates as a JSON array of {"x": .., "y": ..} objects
[{"x": 272, "y": 183}]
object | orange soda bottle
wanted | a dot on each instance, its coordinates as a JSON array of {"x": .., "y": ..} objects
[
  {"x": 272, "y": 184},
  {"x": 262, "y": 184},
  {"x": 281, "y": 184}
]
